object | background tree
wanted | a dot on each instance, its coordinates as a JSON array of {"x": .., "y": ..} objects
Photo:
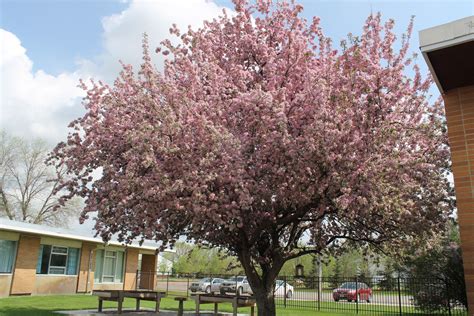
[
  {"x": 189, "y": 258},
  {"x": 27, "y": 184},
  {"x": 350, "y": 262},
  {"x": 443, "y": 265},
  {"x": 390, "y": 272},
  {"x": 289, "y": 268},
  {"x": 364, "y": 273},
  {"x": 336, "y": 277},
  {"x": 259, "y": 133},
  {"x": 163, "y": 267}
]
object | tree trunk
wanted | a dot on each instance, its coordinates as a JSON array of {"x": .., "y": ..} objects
[
  {"x": 263, "y": 283},
  {"x": 265, "y": 301}
]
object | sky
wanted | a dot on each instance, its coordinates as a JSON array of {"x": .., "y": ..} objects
[{"x": 48, "y": 45}]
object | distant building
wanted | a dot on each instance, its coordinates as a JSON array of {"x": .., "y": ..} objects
[{"x": 37, "y": 259}]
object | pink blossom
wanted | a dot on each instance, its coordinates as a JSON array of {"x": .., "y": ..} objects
[{"x": 259, "y": 131}]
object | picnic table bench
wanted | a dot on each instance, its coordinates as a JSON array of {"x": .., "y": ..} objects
[
  {"x": 181, "y": 300},
  {"x": 236, "y": 300},
  {"x": 119, "y": 295}
]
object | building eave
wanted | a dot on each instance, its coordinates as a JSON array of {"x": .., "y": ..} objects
[
  {"x": 454, "y": 42},
  {"x": 10, "y": 226}
]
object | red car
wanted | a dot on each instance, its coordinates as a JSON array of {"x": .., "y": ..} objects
[{"x": 353, "y": 291}]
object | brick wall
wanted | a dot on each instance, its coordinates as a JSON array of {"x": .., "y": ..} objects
[
  {"x": 54, "y": 284},
  {"x": 5, "y": 284},
  {"x": 24, "y": 273},
  {"x": 131, "y": 266},
  {"x": 87, "y": 261},
  {"x": 459, "y": 105}
]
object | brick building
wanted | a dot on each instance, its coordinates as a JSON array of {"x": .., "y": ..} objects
[
  {"x": 449, "y": 52},
  {"x": 36, "y": 259}
]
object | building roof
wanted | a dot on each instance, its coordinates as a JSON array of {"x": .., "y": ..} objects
[
  {"x": 66, "y": 233},
  {"x": 448, "y": 50}
]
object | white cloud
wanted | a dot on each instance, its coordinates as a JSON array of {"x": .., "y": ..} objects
[
  {"x": 38, "y": 104},
  {"x": 33, "y": 104},
  {"x": 123, "y": 33}
]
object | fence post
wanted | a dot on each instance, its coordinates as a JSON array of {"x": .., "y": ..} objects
[
  {"x": 357, "y": 295},
  {"x": 319, "y": 293},
  {"x": 284, "y": 294},
  {"x": 447, "y": 297},
  {"x": 167, "y": 282},
  {"x": 187, "y": 286},
  {"x": 399, "y": 296},
  {"x": 136, "y": 280},
  {"x": 320, "y": 285}
]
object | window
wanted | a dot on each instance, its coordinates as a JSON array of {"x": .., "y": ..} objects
[
  {"x": 57, "y": 260},
  {"x": 110, "y": 261},
  {"x": 7, "y": 255},
  {"x": 109, "y": 266}
]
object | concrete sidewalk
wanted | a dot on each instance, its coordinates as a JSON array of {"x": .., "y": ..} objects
[{"x": 132, "y": 312}]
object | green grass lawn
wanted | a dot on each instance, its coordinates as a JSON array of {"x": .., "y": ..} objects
[{"x": 45, "y": 305}]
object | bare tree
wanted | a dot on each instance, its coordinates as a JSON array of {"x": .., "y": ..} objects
[{"x": 27, "y": 184}]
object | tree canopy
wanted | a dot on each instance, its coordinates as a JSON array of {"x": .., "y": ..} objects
[{"x": 262, "y": 138}]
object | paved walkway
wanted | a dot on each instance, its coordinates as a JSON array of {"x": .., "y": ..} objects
[{"x": 131, "y": 312}]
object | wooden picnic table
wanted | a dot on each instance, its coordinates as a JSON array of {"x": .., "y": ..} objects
[
  {"x": 119, "y": 295},
  {"x": 236, "y": 300},
  {"x": 181, "y": 300}
]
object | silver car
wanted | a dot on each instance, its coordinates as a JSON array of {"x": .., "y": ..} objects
[
  {"x": 238, "y": 285},
  {"x": 280, "y": 288},
  {"x": 207, "y": 285}
]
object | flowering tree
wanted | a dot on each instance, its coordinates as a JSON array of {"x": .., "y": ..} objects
[{"x": 259, "y": 133}]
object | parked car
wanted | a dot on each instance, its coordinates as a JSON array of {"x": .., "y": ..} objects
[
  {"x": 280, "y": 289},
  {"x": 207, "y": 285},
  {"x": 238, "y": 285},
  {"x": 353, "y": 291}
]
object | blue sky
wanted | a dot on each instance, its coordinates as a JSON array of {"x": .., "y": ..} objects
[
  {"x": 58, "y": 32},
  {"x": 47, "y": 45}
]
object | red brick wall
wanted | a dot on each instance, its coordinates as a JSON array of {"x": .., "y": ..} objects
[
  {"x": 24, "y": 274},
  {"x": 459, "y": 105}
]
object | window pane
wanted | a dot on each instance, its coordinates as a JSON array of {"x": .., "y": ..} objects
[
  {"x": 119, "y": 272},
  {"x": 58, "y": 260},
  {"x": 45, "y": 259},
  {"x": 54, "y": 270},
  {"x": 108, "y": 279},
  {"x": 99, "y": 262},
  {"x": 40, "y": 258},
  {"x": 110, "y": 253},
  {"x": 59, "y": 249},
  {"x": 109, "y": 266},
  {"x": 7, "y": 255},
  {"x": 72, "y": 261}
]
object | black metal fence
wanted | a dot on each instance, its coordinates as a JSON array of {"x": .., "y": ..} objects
[
  {"x": 355, "y": 295},
  {"x": 375, "y": 296}
]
